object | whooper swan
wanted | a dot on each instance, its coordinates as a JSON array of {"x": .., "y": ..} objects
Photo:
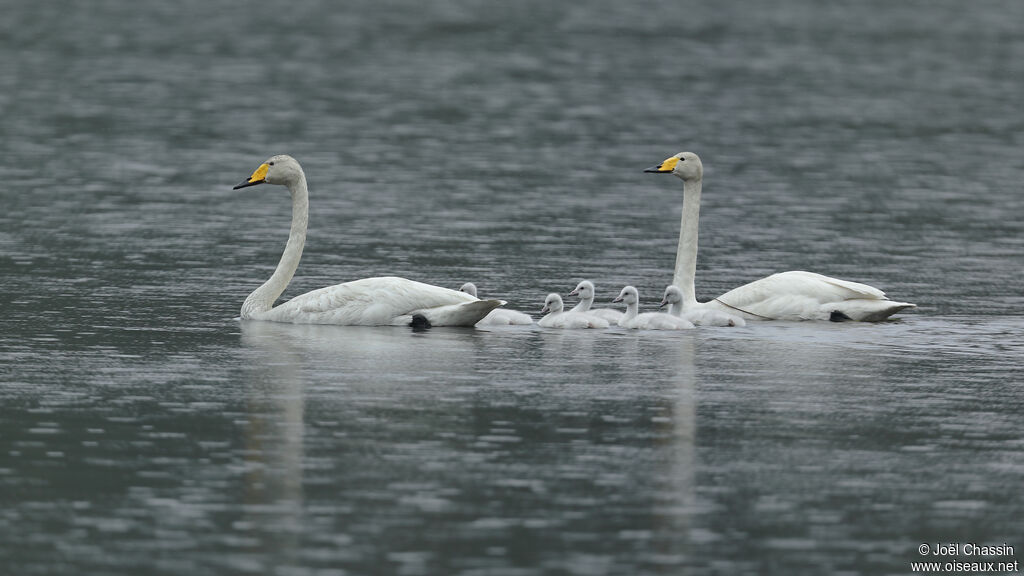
[
  {"x": 794, "y": 295},
  {"x": 368, "y": 302}
]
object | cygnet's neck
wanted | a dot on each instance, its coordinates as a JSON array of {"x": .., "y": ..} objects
[
  {"x": 632, "y": 309},
  {"x": 262, "y": 299},
  {"x": 686, "y": 252},
  {"x": 675, "y": 309},
  {"x": 583, "y": 305}
]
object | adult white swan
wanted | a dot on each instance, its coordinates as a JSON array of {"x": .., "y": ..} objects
[
  {"x": 367, "y": 302},
  {"x": 500, "y": 316},
  {"x": 792, "y": 295}
]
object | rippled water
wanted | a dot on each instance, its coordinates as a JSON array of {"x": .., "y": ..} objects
[{"x": 144, "y": 430}]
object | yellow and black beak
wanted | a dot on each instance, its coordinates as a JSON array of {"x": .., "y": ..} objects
[
  {"x": 258, "y": 177},
  {"x": 665, "y": 167}
]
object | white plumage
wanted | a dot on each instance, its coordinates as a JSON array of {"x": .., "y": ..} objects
[
  {"x": 498, "y": 316},
  {"x": 557, "y": 317},
  {"x": 585, "y": 290},
  {"x": 698, "y": 315},
  {"x": 795, "y": 295},
  {"x": 647, "y": 320},
  {"x": 386, "y": 300}
]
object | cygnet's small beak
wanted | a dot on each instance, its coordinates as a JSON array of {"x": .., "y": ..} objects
[
  {"x": 665, "y": 167},
  {"x": 258, "y": 177},
  {"x": 575, "y": 292},
  {"x": 617, "y": 299},
  {"x": 544, "y": 310},
  {"x": 663, "y": 304}
]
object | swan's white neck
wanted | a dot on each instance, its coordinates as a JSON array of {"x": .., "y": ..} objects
[
  {"x": 262, "y": 299},
  {"x": 686, "y": 252}
]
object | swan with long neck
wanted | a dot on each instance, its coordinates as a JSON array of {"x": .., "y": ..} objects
[
  {"x": 378, "y": 301},
  {"x": 794, "y": 295}
]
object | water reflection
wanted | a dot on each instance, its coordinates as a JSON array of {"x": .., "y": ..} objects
[
  {"x": 273, "y": 441},
  {"x": 466, "y": 464},
  {"x": 356, "y": 351}
]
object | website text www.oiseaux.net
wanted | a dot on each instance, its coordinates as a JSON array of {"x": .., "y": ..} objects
[{"x": 967, "y": 557}]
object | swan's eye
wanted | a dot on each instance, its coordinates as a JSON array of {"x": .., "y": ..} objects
[{"x": 270, "y": 163}]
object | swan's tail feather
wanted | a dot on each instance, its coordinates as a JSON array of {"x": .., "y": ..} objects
[
  {"x": 465, "y": 314},
  {"x": 869, "y": 310}
]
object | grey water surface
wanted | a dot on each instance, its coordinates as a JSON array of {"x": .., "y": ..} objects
[{"x": 145, "y": 430}]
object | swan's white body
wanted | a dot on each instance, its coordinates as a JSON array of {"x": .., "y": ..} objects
[
  {"x": 558, "y": 318},
  {"x": 648, "y": 320},
  {"x": 368, "y": 302},
  {"x": 698, "y": 315},
  {"x": 792, "y": 295},
  {"x": 585, "y": 290},
  {"x": 498, "y": 316}
]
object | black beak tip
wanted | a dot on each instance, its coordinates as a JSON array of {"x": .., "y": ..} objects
[
  {"x": 654, "y": 170},
  {"x": 246, "y": 183}
]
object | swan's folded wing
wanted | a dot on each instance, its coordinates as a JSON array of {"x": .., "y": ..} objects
[
  {"x": 795, "y": 295},
  {"x": 848, "y": 290},
  {"x": 800, "y": 284},
  {"x": 366, "y": 302}
]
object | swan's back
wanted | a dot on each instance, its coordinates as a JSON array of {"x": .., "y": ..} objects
[
  {"x": 612, "y": 316},
  {"x": 656, "y": 321},
  {"x": 799, "y": 295},
  {"x": 572, "y": 320},
  {"x": 378, "y": 301},
  {"x": 798, "y": 283}
]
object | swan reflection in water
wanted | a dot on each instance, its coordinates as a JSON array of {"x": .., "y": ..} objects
[
  {"x": 371, "y": 354},
  {"x": 405, "y": 405}
]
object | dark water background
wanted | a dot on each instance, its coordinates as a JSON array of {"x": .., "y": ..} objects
[{"x": 144, "y": 430}]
